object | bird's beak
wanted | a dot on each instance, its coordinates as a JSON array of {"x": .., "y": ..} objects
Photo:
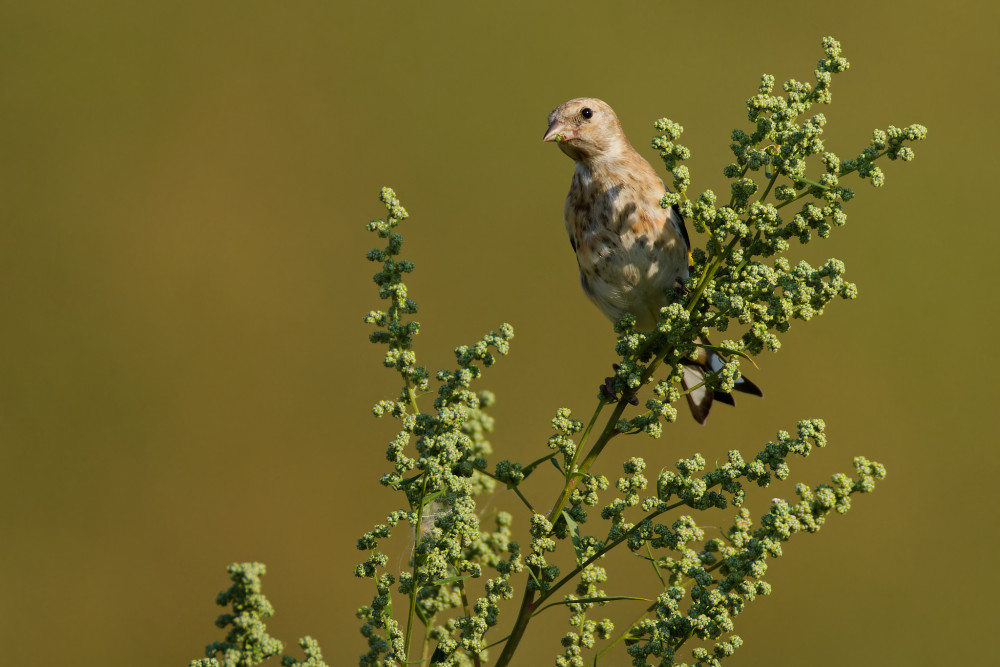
[{"x": 558, "y": 132}]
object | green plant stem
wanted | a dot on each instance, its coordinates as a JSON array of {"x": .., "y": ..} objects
[
  {"x": 413, "y": 584},
  {"x": 808, "y": 191},
  {"x": 605, "y": 549},
  {"x": 416, "y": 528},
  {"x": 511, "y": 486},
  {"x": 520, "y": 624},
  {"x": 710, "y": 273},
  {"x": 468, "y": 613},
  {"x": 609, "y": 431},
  {"x": 586, "y": 432},
  {"x": 529, "y": 605},
  {"x": 621, "y": 637},
  {"x": 770, "y": 184},
  {"x": 412, "y": 396},
  {"x": 427, "y": 640},
  {"x": 656, "y": 570},
  {"x": 617, "y": 640},
  {"x": 571, "y": 469}
]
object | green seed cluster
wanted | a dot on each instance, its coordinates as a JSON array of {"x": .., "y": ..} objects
[
  {"x": 248, "y": 642},
  {"x": 740, "y": 274},
  {"x": 586, "y": 632},
  {"x": 565, "y": 428},
  {"x": 725, "y": 574},
  {"x": 393, "y": 329},
  {"x": 440, "y": 481}
]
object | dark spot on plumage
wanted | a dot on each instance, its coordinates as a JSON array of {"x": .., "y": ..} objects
[
  {"x": 579, "y": 202},
  {"x": 572, "y": 242},
  {"x": 603, "y": 216},
  {"x": 609, "y": 195},
  {"x": 641, "y": 241},
  {"x": 598, "y": 210},
  {"x": 621, "y": 220}
]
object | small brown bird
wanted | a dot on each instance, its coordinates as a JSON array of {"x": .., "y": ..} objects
[{"x": 632, "y": 253}]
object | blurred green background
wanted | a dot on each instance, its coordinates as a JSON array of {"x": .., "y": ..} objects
[{"x": 184, "y": 374}]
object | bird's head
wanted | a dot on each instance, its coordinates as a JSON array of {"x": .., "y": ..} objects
[{"x": 586, "y": 129}]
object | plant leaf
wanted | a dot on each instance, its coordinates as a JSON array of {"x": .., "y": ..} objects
[
  {"x": 449, "y": 580},
  {"x": 727, "y": 351},
  {"x": 610, "y": 598},
  {"x": 574, "y": 528}
]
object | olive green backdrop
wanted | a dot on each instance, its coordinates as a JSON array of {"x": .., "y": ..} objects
[{"x": 184, "y": 374}]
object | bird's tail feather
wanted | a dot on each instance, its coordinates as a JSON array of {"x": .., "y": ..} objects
[{"x": 700, "y": 399}]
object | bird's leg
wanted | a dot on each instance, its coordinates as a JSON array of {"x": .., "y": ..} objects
[
  {"x": 607, "y": 390},
  {"x": 680, "y": 289}
]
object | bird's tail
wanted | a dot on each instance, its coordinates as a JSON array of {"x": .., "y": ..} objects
[{"x": 700, "y": 400}]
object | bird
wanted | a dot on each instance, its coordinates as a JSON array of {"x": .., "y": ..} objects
[{"x": 633, "y": 254}]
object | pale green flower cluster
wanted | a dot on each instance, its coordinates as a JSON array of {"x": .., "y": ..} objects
[
  {"x": 439, "y": 481},
  {"x": 248, "y": 642},
  {"x": 731, "y": 282}
]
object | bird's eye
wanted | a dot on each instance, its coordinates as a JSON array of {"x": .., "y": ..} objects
[{"x": 587, "y": 113}]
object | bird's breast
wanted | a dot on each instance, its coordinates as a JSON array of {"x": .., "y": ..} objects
[{"x": 629, "y": 252}]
